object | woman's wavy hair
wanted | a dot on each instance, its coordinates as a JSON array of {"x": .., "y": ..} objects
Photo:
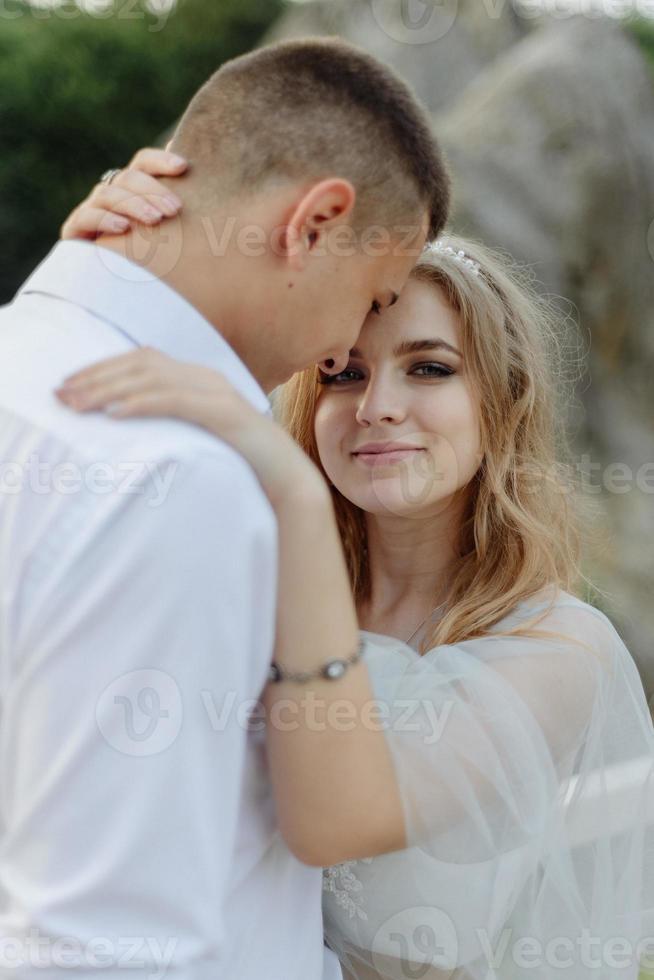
[{"x": 524, "y": 528}]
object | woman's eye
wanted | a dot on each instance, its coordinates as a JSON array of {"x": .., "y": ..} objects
[
  {"x": 433, "y": 370},
  {"x": 328, "y": 379}
]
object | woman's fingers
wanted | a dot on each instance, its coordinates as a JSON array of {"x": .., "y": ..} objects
[
  {"x": 102, "y": 393},
  {"x": 112, "y": 210},
  {"x": 145, "y": 373},
  {"x": 122, "y": 201},
  {"x": 89, "y": 222},
  {"x": 139, "y": 186},
  {"x": 134, "y": 361},
  {"x": 148, "y": 382},
  {"x": 150, "y": 403},
  {"x": 159, "y": 163},
  {"x": 134, "y": 194}
]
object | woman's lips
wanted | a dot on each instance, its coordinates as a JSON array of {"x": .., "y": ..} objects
[{"x": 386, "y": 458}]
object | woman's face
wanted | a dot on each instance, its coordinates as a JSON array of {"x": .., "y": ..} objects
[{"x": 405, "y": 384}]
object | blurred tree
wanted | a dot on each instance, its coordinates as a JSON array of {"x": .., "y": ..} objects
[
  {"x": 80, "y": 92},
  {"x": 643, "y": 31}
]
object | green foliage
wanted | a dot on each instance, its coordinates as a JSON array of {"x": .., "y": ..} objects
[
  {"x": 80, "y": 92},
  {"x": 643, "y": 30}
]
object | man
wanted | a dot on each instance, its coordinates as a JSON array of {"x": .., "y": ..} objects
[{"x": 138, "y": 561}]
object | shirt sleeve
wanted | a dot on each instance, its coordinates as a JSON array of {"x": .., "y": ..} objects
[
  {"x": 136, "y": 643},
  {"x": 484, "y": 735}
]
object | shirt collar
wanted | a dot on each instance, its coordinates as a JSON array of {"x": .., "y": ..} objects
[{"x": 142, "y": 307}]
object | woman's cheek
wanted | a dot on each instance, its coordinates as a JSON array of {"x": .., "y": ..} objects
[
  {"x": 327, "y": 440},
  {"x": 468, "y": 451}
]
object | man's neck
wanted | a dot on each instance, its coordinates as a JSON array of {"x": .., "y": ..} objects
[{"x": 210, "y": 290}]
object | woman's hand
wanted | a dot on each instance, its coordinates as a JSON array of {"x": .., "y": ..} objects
[
  {"x": 147, "y": 382},
  {"x": 133, "y": 197}
]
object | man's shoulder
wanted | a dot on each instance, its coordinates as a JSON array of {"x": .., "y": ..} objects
[
  {"x": 41, "y": 344},
  {"x": 38, "y": 350}
]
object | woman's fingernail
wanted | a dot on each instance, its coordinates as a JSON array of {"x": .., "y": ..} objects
[
  {"x": 170, "y": 205},
  {"x": 151, "y": 214},
  {"x": 176, "y": 160},
  {"x": 118, "y": 224},
  {"x": 114, "y": 408},
  {"x": 73, "y": 401}
]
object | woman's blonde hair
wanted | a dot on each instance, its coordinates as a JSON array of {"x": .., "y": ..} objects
[{"x": 522, "y": 529}]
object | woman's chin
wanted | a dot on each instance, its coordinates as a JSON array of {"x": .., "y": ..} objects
[{"x": 393, "y": 496}]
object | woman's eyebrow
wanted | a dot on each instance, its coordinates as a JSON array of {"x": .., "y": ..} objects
[{"x": 415, "y": 347}]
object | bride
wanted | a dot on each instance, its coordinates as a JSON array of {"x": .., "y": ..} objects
[{"x": 429, "y": 533}]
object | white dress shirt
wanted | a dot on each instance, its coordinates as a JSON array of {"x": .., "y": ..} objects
[{"x": 138, "y": 577}]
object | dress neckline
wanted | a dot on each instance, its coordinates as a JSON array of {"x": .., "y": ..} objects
[{"x": 525, "y": 604}]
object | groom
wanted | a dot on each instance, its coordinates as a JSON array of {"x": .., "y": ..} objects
[{"x": 138, "y": 560}]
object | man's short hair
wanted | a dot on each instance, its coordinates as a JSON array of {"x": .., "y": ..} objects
[{"x": 315, "y": 108}]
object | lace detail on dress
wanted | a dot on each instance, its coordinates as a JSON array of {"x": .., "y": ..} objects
[{"x": 344, "y": 885}]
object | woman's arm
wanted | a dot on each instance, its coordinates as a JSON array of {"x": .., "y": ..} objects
[
  {"x": 334, "y": 779},
  {"x": 332, "y": 772}
]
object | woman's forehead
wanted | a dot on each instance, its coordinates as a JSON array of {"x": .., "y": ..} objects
[{"x": 421, "y": 312}]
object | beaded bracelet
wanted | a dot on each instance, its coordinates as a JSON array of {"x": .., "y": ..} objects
[{"x": 331, "y": 671}]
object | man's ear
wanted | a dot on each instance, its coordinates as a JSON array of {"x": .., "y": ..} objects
[{"x": 324, "y": 207}]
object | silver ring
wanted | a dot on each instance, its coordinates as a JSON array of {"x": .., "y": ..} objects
[{"x": 109, "y": 175}]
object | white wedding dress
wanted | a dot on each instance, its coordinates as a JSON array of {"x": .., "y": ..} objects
[{"x": 500, "y": 880}]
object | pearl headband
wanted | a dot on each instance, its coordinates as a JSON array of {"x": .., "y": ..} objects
[{"x": 460, "y": 256}]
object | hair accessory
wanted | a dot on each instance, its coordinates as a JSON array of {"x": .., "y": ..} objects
[
  {"x": 331, "y": 671},
  {"x": 458, "y": 256}
]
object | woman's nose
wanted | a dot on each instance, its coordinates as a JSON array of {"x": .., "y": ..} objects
[{"x": 380, "y": 402}]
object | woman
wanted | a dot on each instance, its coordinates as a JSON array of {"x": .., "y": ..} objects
[{"x": 464, "y": 848}]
